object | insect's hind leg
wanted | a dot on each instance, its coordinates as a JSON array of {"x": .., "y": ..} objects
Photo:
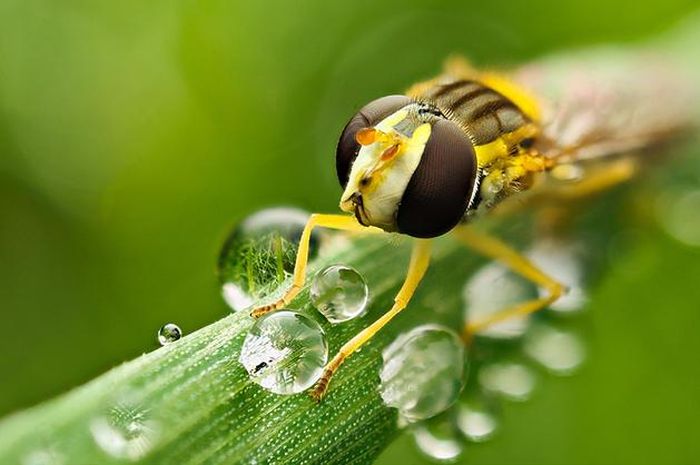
[
  {"x": 605, "y": 176},
  {"x": 420, "y": 260},
  {"x": 341, "y": 222},
  {"x": 494, "y": 248}
]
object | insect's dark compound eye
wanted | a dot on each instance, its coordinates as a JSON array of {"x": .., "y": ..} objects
[
  {"x": 439, "y": 190},
  {"x": 368, "y": 116}
]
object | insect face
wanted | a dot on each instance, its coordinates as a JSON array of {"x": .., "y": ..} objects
[{"x": 405, "y": 170}]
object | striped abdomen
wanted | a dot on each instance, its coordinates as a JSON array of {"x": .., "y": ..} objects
[{"x": 483, "y": 112}]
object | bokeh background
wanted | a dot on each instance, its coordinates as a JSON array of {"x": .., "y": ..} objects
[{"x": 134, "y": 134}]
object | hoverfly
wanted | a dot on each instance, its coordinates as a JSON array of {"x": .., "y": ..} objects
[{"x": 453, "y": 148}]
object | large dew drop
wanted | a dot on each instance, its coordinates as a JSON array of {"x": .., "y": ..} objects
[
  {"x": 285, "y": 352},
  {"x": 126, "y": 431},
  {"x": 340, "y": 293},
  {"x": 260, "y": 253},
  {"x": 423, "y": 372}
]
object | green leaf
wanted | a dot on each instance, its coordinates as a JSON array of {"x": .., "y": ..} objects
[{"x": 191, "y": 402}]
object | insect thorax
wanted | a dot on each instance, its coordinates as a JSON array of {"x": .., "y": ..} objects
[
  {"x": 501, "y": 131},
  {"x": 483, "y": 112}
]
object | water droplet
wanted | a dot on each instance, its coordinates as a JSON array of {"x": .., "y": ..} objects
[
  {"x": 494, "y": 288},
  {"x": 438, "y": 440},
  {"x": 559, "y": 351},
  {"x": 260, "y": 253},
  {"x": 126, "y": 431},
  {"x": 235, "y": 296},
  {"x": 476, "y": 422},
  {"x": 678, "y": 214},
  {"x": 47, "y": 456},
  {"x": 561, "y": 260},
  {"x": 168, "y": 333},
  {"x": 423, "y": 371},
  {"x": 512, "y": 380},
  {"x": 285, "y": 352},
  {"x": 340, "y": 293}
]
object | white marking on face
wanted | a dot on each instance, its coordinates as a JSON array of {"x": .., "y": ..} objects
[{"x": 381, "y": 198}]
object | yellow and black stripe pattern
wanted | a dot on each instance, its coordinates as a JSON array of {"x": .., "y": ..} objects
[
  {"x": 500, "y": 119},
  {"x": 482, "y": 111}
]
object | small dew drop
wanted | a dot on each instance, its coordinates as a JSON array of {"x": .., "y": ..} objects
[
  {"x": 438, "y": 441},
  {"x": 168, "y": 333},
  {"x": 476, "y": 423},
  {"x": 492, "y": 289},
  {"x": 559, "y": 351},
  {"x": 126, "y": 431},
  {"x": 511, "y": 380},
  {"x": 260, "y": 252},
  {"x": 423, "y": 371},
  {"x": 285, "y": 352},
  {"x": 340, "y": 293},
  {"x": 561, "y": 259}
]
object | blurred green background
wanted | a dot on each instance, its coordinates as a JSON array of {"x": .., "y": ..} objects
[{"x": 133, "y": 134}]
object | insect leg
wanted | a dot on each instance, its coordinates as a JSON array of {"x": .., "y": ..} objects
[
  {"x": 342, "y": 222},
  {"x": 604, "y": 177},
  {"x": 597, "y": 180},
  {"x": 492, "y": 247},
  {"x": 420, "y": 259}
]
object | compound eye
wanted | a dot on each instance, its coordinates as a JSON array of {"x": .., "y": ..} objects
[
  {"x": 439, "y": 191},
  {"x": 368, "y": 116}
]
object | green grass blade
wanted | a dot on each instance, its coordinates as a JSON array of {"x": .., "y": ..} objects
[{"x": 196, "y": 404}]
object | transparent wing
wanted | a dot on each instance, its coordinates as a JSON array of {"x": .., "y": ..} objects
[{"x": 610, "y": 100}]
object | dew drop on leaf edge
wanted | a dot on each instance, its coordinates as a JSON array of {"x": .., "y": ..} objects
[
  {"x": 423, "y": 372},
  {"x": 169, "y": 333},
  {"x": 260, "y": 252}
]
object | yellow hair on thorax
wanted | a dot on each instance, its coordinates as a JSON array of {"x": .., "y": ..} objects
[{"x": 513, "y": 92}]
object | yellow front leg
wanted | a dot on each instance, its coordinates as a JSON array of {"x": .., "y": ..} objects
[
  {"x": 493, "y": 248},
  {"x": 341, "y": 222},
  {"x": 420, "y": 259}
]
